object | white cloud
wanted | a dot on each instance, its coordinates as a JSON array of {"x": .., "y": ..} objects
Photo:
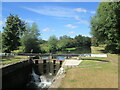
[
  {"x": 92, "y": 12},
  {"x": 59, "y": 12},
  {"x": 86, "y": 35},
  {"x": 29, "y": 21},
  {"x": 53, "y": 11},
  {"x": 80, "y": 10},
  {"x": 47, "y": 30},
  {"x": 71, "y": 32},
  {"x": 70, "y": 26},
  {"x": 84, "y": 10},
  {"x": 83, "y": 22}
]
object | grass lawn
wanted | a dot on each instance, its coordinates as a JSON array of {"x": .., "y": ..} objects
[
  {"x": 93, "y": 60},
  {"x": 12, "y": 59},
  {"x": 96, "y": 76},
  {"x": 70, "y": 48}
]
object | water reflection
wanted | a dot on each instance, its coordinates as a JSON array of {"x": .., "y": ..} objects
[
  {"x": 82, "y": 50},
  {"x": 59, "y": 58}
]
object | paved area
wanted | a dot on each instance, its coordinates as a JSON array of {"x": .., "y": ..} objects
[
  {"x": 72, "y": 62},
  {"x": 57, "y": 81},
  {"x": 59, "y": 76}
]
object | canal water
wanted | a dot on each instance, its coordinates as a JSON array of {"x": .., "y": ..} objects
[{"x": 82, "y": 50}]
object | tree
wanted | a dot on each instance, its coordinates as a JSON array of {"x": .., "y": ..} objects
[
  {"x": 105, "y": 25},
  {"x": 30, "y": 40},
  {"x": 94, "y": 41},
  {"x": 66, "y": 42},
  {"x": 65, "y": 37},
  {"x": 82, "y": 41},
  {"x": 12, "y": 31},
  {"x": 52, "y": 42},
  {"x": 0, "y": 41}
]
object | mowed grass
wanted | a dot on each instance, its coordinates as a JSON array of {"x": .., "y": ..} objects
[
  {"x": 11, "y": 59},
  {"x": 93, "y": 60},
  {"x": 96, "y": 76},
  {"x": 91, "y": 77}
]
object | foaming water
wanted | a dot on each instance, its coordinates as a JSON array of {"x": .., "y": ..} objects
[{"x": 40, "y": 81}]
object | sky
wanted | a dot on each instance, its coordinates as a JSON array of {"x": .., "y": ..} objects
[{"x": 54, "y": 18}]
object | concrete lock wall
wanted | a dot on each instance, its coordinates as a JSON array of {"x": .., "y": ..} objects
[{"x": 16, "y": 75}]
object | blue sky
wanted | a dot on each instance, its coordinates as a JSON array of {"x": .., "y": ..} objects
[{"x": 54, "y": 18}]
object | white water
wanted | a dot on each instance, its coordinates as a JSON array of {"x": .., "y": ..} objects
[{"x": 41, "y": 81}]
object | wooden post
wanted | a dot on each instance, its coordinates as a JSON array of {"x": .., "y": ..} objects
[
  {"x": 54, "y": 61},
  {"x": 60, "y": 63}
]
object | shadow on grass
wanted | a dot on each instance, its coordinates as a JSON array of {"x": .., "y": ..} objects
[
  {"x": 103, "y": 51},
  {"x": 97, "y": 60}
]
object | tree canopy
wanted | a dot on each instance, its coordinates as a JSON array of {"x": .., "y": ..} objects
[
  {"x": 52, "y": 42},
  {"x": 105, "y": 25},
  {"x": 12, "y": 31},
  {"x": 30, "y": 40}
]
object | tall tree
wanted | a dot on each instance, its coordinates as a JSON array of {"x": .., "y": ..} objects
[
  {"x": 30, "y": 40},
  {"x": 12, "y": 31},
  {"x": 0, "y": 41},
  {"x": 52, "y": 42},
  {"x": 105, "y": 25}
]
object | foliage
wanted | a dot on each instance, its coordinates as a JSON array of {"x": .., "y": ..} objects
[
  {"x": 82, "y": 41},
  {"x": 42, "y": 41},
  {"x": 105, "y": 25},
  {"x": 94, "y": 42},
  {"x": 44, "y": 48},
  {"x": 12, "y": 31},
  {"x": 65, "y": 43},
  {"x": 30, "y": 39},
  {"x": 64, "y": 37},
  {"x": 52, "y": 44}
]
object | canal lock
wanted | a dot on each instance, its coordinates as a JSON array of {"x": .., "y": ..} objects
[{"x": 43, "y": 72}]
